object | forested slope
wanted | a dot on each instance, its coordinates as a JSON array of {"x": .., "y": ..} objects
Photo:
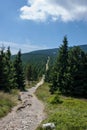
[
  {"x": 36, "y": 56},
  {"x": 35, "y": 61}
]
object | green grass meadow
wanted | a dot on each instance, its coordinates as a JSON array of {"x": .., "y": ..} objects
[
  {"x": 67, "y": 113},
  {"x": 7, "y": 102}
]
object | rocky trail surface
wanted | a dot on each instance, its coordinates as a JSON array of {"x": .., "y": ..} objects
[{"x": 28, "y": 114}]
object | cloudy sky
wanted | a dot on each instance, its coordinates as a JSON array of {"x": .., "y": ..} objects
[{"x": 39, "y": 24}]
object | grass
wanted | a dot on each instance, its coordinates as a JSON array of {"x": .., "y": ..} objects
[
  {"x": 67, "y": 113},
  {"x": 31, "y": 84},
  {"x": 7, "y": 101}
]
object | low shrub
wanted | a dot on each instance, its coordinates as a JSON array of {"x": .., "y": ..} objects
[{"x": 55, "y": 99}]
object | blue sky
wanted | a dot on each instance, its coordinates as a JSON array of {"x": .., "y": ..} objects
[{"x": 40, "y": 24}]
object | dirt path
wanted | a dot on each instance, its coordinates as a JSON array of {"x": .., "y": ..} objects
[
  {"x": 47, "y": 64},
  {"x": 26, "y": 116}
]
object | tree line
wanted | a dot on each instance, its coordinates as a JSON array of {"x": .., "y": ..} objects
[
  {"x": 11, "y": 71},
  {"x": 69, "y": 73},
  {"x": 35, "y": 67},
  {"x": 14, "y": 71}
]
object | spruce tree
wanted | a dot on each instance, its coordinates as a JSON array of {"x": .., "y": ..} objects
[
  {"x": 10, "y": 71},
  {"x": 78, "y": 70},
  {"x": 70, "y": 71},
  {"x": 20, "y": 80},
  {"x": 60, "y": 68},
  {"x": 3, "y": 74},
  {"x": 83, "y": 74},
  {"x": 7, "y": 73},
  {"x": 29, "y": 73}
]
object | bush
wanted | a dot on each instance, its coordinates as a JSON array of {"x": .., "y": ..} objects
[{"x": 55, "y": 99}]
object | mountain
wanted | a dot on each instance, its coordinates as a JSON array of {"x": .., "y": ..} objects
[
  {"x": 42, "y": 55},
  {"x": 39, "y": 58},
  {"x": 84, "y": 47}
]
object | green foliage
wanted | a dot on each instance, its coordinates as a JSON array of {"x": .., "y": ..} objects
[
  {"x": 49, "y": 72},
  {"x": 37, "y": 60},
  {"x": 70, "y": 71},
  {"x": 19, "y": 72},
  {"x": 68, "y": 121},
  {"x": 70, "y": 114},
  {"x": 60, "y": 68},
  {"x": 7, "y": 78},
  {"x": 43, "y": 92},
  {"x": 73, "y": 115},
  {"x": 55, "y": 99},
  {"x": 36, "y": 65},
  {"x": 77, "y": 69},
  {"x": 35, "y": 56},
  {"x": 11, "y": 74},
  {"x": 31, "y": 73},
  {"x": 6, "y": 103}
]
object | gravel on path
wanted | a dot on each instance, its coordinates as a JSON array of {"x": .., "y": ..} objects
[{"x": 28, "y": 114}]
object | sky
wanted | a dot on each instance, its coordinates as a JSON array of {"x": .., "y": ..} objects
[{"x": 41, "y": 24}]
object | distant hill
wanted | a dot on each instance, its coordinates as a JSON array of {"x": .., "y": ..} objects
[
  {"x": 38, "y": 55},
  {"x": 39, "y": 58},
  {"x": 41, "y": 55},
  {"x": 84, "y": 47}
]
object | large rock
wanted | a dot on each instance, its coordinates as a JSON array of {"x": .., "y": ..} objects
[{"x": 48, "y": 126}]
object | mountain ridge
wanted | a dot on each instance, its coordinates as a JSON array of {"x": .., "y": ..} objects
[{"x": 39, "y": 54}]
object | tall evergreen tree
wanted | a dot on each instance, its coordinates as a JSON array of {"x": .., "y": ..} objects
[
  {"x": 60, "y": 67},
  {"x": 83, "y": 74},
  {"x": 7, "y": 73},
  {"x": 19, "y": 72},
  {"x": 3, "y": 74},
  {"x": 10, "y": 72},
  {"x": 78, "y": 70},
  {"x": 29, "y": 73},
  {"x": 70, "y": 71}
]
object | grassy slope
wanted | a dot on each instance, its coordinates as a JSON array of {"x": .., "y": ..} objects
[
  {"x": 71, "y": 114},
  {"x": 7, "y": 101}
]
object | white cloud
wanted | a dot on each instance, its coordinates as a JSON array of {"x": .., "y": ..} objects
[
  {"x": 27, "y": 47},
  {"x": 65, "y": 10}
]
